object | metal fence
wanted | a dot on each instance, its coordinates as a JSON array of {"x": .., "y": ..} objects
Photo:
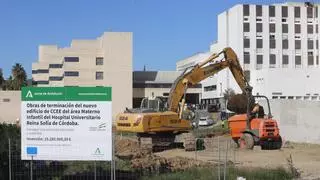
[{"x": 218, "y": 152}]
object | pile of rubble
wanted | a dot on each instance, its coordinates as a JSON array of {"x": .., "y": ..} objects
[
  {"x": 161, "y": 164},
  {"x": 129, "y": 149}
]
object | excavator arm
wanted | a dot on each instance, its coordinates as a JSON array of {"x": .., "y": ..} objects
[{"x": 200, "y": 72}]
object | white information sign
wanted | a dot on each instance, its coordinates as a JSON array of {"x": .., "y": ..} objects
[{"x": 66, "y": 123}]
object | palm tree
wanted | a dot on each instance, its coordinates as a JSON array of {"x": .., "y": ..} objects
[
  {"x": 19, "y": 77},
  {"x": 2, "y": 81}
]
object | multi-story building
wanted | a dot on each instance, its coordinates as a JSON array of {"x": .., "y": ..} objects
[
  {"x": 105, "y": 61},
  {"x": 277, "y": 45}
]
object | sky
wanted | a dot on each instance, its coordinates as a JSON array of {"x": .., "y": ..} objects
[{"x": 164, "y": 31}]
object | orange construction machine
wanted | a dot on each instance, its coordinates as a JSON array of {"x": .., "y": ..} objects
[{"x": 255, "y": 127}]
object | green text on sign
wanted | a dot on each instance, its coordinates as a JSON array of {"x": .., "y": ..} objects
[{"x": 66, "y": 94}]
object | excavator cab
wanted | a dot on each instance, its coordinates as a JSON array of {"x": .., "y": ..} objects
[{"x": 153, "y": 104}]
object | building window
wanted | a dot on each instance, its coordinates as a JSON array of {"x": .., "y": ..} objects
[
  {"x": 55, "y": 78},
  {"x": 246, "y": 58},
  {"x": 71, "y": 73},
  {"x": 71, "y": 59},
  {"x": 247, "y": 75},
  {"x": 309, "y": 12},
  {"x": 34, "y": 71},
  {"x": 317, "y": 44},
  {"x": 259, "y": 27},
  {"x": 310, "y": 29},
  {"x": 317, "y": 29},
  {"x": 297, "y": 12},
  {"x": 310, "y": 61},
  {"x": 55, "y": 65},
  {"x": 297, "y": 28},
  {"x": 259, "y": 43},
  {"x": 285, "y": 44},
  {"x": 99, "y": 61},
  {"x": 272, "y": 60},
  {"x": 165, "y": 94},
  {"x": 272, "y": 43},
  {"x": 298, "y": 60},
  {"x": 210, "y": 88},
  {"x": 99, "y": 75},
  {"x": 297, "y": 44},
  {"x": 246, "y": 10},
  {"x": 259, "y": 59},
  {"x": 258, "y": 10},
  {"x": 272, "y": 28},
  {"x": 246, "y": 43},
  {"x": 285, "y": 59},
  {"x": 310, "y": 44},
  {"x": 272, "y": 11},
  {"x": 42, "y": 71},
  {"x": 284, "y": 11},
  {"x": 42, "y": 82},
  {"x": 6, "y": 100},
  {"x": 317, "y": 60},
  {"x": 284, "y": 28},
  {"x": 246, "y": 27}
]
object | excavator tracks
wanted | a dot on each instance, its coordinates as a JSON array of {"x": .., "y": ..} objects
[{"x": 153, "y": 142}]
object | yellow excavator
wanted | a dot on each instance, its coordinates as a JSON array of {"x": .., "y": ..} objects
[{"x": 160, "y": 123}]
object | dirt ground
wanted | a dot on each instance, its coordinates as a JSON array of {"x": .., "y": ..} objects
[{"x": 305, "y": 157}]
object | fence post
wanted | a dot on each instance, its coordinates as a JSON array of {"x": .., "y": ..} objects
[
  {"x": 219, "y": 157},
  {"x": 95, "y": 170},
  {"x": 234, "y": 156},
  {"x": 112, "y": 158},
  {"x": 31, "y": 168},
  {"x": 225, "y": 162},
  {"x": 113, "y": 163},
  {"x": 196, "y": 154},
  {"x": 9, "y": 142}
]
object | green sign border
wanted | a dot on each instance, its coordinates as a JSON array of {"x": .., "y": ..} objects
[{"x": 66, "y": 94}]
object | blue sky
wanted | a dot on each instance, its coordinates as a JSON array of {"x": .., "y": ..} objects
[{"x": 164, "y": 31}]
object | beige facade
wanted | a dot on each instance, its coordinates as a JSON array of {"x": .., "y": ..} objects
[
  {"x": 105, "y": 61},
  {"x": 10, "y": 105}
]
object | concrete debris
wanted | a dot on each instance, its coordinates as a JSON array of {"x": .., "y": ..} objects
[{"x": 129, "y": 149}]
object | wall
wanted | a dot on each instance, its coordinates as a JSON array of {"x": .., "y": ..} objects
[
  {"x": 10, "y": 111},
  {"x": 289, "y": 82},
  {"x": 298, "y": 120},
  {"x": 118, "y": 68}
]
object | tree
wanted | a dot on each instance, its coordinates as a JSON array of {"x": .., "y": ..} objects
[
  {"x": 228, "y": 93},
  {"x": 19, "y": 77},
  {"x": 2, "y": 81},
  {"x": 8, "y": 84}
]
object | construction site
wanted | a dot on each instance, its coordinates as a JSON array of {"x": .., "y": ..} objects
[
  {"x": 247, "y": 108},
  {"x": 249, "y": 138}
]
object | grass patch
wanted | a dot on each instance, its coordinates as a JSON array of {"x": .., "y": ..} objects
[{"x": 232, "y": 173}]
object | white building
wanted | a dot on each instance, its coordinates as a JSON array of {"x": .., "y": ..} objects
[
  {"x": 105, "y": 61},
  {"x": 277, "y": 45}
]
